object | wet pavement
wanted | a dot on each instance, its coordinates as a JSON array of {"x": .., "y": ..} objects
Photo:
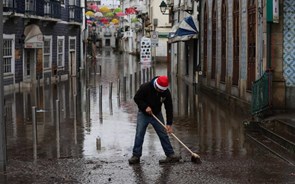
[{"x": 97, "y": 126}]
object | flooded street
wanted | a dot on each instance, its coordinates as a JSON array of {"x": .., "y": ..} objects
[{"x": 97, "y": 122}]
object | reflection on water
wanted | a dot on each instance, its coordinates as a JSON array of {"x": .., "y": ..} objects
[
  {"x": 205, "y": 126},
  {"x": 212, "y": 126}
]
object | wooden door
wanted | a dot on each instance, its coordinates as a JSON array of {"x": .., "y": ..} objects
[
  {"x": 251, "y": 65},
  {"x": 223, "y": 42},
  {"x": 214, "y": 24},
  {"x": 205, "y": 41}
]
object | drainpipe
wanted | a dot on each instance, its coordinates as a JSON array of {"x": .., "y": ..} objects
[{"x": 2, "y": 122}]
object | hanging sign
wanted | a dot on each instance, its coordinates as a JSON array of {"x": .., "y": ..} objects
[
  {"x": 272, "y": 14},
  {"x": 145, "y": 50}
]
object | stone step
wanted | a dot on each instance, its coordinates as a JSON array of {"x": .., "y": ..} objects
[
  {"x": 280, "y": 131},
  {"x": 271, "y": 146}
]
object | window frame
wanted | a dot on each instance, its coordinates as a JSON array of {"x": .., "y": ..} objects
[
  {"x": 58, "y": 53},
  {"x": 12, "y": 57},
  {"x": 50, "y": 52}
]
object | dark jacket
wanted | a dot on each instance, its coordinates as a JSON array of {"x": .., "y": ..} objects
[{"x": 147, "y": 95}]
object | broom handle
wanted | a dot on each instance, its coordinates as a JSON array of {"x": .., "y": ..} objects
[{"x": 174, "y": 136}]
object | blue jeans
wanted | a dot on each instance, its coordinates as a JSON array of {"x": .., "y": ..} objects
[{"x": 142, "y": 124}]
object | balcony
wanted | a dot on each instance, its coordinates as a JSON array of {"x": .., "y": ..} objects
[
  {"x": 35, "y": 8},
  {"x": 9, "y": 6},
  {"x": 75, "y": 13}
]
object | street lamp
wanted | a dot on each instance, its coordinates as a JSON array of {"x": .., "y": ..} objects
[{"x": 163, "y": 8}]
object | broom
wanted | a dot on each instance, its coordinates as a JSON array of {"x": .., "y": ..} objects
[{"x": 195, "y": 158}]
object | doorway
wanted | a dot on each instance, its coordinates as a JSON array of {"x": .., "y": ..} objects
[
  {"x": 72, "y": 63},
  {"x": 30, "y": 65}
]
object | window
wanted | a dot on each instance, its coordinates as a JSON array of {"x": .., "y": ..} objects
[
  {"x": 47, "y": 51},
  {"x": 8, "y": 54},
  {"x": 47, "y": 8},
  {"x": 7, "y": 3},
  {"x": 72, "y": 44},
  {"x": 60, "y": 51},
  {"x": 30, "y": 6}
]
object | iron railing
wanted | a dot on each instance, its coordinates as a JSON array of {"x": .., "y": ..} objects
[
  {"x": 261, "y": 93},
  {"x": 47, "y": 8},
  {"x": 9, "y": 6}
]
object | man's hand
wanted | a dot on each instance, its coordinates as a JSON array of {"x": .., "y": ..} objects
[
  {"x": 149, "y": 111},
  {"x": 169, "y": 129}
]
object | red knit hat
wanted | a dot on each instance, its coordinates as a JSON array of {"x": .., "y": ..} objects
[{"x": 162, "y": 82}]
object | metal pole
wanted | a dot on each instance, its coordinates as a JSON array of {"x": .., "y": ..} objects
[
  {"x": 130, "y": 85},
  {"x": 57, "y": 129},
  {"x": 143, "y": 75},
  {"x": 110, "y": 90},
  {"x": 75, "y": 118},
  {"x": 151, "y": 73},
  {"x": 99, "y": 69},
  {"x": 147, "y": 74},
  {"x": 34, "y": 127},
  {"x": 111, "y": 107},
  {"x": 118, "y": 87},
  {"x": 100, "y": 102},
  {"x": 139, "y": 75},
  {"x": 88, "y": 104},
  {"x": 135, "y": 81},
  {"x": 124, "y": 87},
  {"x": 38, "y": 92},
  {"x": 3, "y": 158}
]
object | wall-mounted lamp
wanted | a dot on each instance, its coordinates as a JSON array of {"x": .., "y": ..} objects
[{"x": 164, "y": 7}]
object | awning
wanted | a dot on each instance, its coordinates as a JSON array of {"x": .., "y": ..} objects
[
  {"x": 171, "y": 34},
  {"x": 187, "y": 29},
  {"x": 33, "y": 36}
]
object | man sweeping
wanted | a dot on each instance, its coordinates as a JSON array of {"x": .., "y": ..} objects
[{"x": 149, "y": 99}]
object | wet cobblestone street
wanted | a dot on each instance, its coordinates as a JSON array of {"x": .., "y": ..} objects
[{"x": 90, "y": 111}]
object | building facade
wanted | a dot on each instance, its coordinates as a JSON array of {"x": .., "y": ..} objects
[
  {"x": 242, "y": 43},
  {"x": 42, "y": 40},
  {"x": 244, "y": 51}
]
